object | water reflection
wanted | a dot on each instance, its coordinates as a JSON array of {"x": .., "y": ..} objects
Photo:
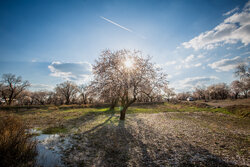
[{"x": 49, "y": 148}]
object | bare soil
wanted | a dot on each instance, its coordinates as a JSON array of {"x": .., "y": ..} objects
[{"x": 162, "y": 139}]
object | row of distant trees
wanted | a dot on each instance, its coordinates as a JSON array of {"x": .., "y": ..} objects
[
  {"x": 121, "y": 77},
  {"x": 14, "y": 91},
  {"x": 237, "y": 89}
]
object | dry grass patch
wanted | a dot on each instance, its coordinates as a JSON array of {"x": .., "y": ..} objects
[{"x": 16, "y": 145}]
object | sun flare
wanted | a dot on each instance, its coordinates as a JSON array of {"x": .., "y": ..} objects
[{"x": 128, "y": 63}]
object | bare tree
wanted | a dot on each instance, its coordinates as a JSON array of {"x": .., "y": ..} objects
[
  {"x": 218, "y": 91},
  {"x": 199, "y": 93},
  {"x": 183, "y": 95},
  {"x": 83, "y": 90},
  {"x": 236, "y": 88},
  {"x": 40, "y": 97},
  {"x": 124, "y": 75},
  {"x": 168, "y": 92},
  {"x": 246, "y": 86},
  {"x": 242, "y": 71},
  {"x": 25, "y": 98},
  {"x": 55, "y": 98},
  {"x": 67, "y": 90},
  {"x": 11, "y": 86}
]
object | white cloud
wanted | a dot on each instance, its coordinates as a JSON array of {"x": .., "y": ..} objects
[
  {"x": 235, "y": 28},
  {"x": 170, "y": 76},
  {"x": 198, "y": 65},
  {"x": 188, "y": 84},
  {"x": 246, "y": 53},
  {"x": 227, "y": 55},
  {"x": 37, "y": 87},
  {"x": 200, "y": 56},
  {"x": 225, "y": 64},
  {"x": 178, "y": 67},
  {"x": 231, "y": 11},
  {"x": 240, "y": 47},
  {"x": 189, "y": 58},
  {"x": 170, "y": 63},
  {"x": 77, "y": 72},
  {"x": 194, "y": 80},
  {"x": 188, "y": 62}
]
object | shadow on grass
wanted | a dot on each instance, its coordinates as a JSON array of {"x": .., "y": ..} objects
[
  {"x": 100, "y": 125},
  {"x": 87, "y": 118}
]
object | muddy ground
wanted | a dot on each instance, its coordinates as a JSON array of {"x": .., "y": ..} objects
[{"x": 161, "y": 139}]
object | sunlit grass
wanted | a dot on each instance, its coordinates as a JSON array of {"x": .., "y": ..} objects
[{"x": 54, "y": 130}]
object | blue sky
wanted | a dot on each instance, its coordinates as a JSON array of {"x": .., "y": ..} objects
[{"x": 197, "y": 42}]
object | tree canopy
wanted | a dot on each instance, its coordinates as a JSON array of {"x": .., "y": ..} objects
[{"x": 123, "y": 75}]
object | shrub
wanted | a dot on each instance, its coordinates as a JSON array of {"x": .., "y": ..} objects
[{"x": 16, "y": 146}]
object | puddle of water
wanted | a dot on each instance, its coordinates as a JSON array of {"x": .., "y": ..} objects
[
  {"x": 48, "y": 149},
  {"x": 48, "y": 155}
]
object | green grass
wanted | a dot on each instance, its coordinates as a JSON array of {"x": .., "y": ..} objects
[
  {"x": 70, "y": 117},
  {"x": 133, "y": 110},
  {"x": 189, "y": 108},
  {"x": 54, "y": 130}
]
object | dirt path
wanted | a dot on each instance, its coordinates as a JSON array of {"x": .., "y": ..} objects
[{"x": 163, "y": 139}]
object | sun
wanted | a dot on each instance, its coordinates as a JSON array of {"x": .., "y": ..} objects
[{"x": 128, "y": 63}]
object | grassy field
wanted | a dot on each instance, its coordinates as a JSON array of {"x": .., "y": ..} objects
[{"x": 182, "y": 134}]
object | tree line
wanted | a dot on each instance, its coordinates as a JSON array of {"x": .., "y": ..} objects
[
  {"x": 239, "y": 88},
  {"x": 120, "y": 78}
]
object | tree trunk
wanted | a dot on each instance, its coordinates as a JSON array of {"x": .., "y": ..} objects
[
  {"x": 122, "y": 114},
  {"x": 113, "y": 104},
  {"x": 67, "y": 101},
  {"x": 112, "y": 107},
  {"x": 236, "y": 96},
  {"x": 125, "y": 106}
]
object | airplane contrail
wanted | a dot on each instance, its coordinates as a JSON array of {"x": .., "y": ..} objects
[{"x": 110, "y": 21}]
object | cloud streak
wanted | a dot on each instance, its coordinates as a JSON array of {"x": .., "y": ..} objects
[
  {"x": 122, "y": 27},
  {"x": 231, "y": 11},
  {"x": 116, "y": 24}
]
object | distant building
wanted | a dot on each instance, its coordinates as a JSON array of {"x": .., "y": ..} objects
[{"x": 190, "y": 99}]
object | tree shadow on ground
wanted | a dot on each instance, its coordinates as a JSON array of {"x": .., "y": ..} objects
[
  {"x": 173, "y": 151},
  {"x": 108, "y": 144},
  {"x": 87, "y": 118}
]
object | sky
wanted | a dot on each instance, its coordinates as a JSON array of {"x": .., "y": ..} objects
[{"x": 196, "y": 42}]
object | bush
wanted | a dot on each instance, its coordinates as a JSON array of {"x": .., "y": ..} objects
[{"x": 16, "y": 146}]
